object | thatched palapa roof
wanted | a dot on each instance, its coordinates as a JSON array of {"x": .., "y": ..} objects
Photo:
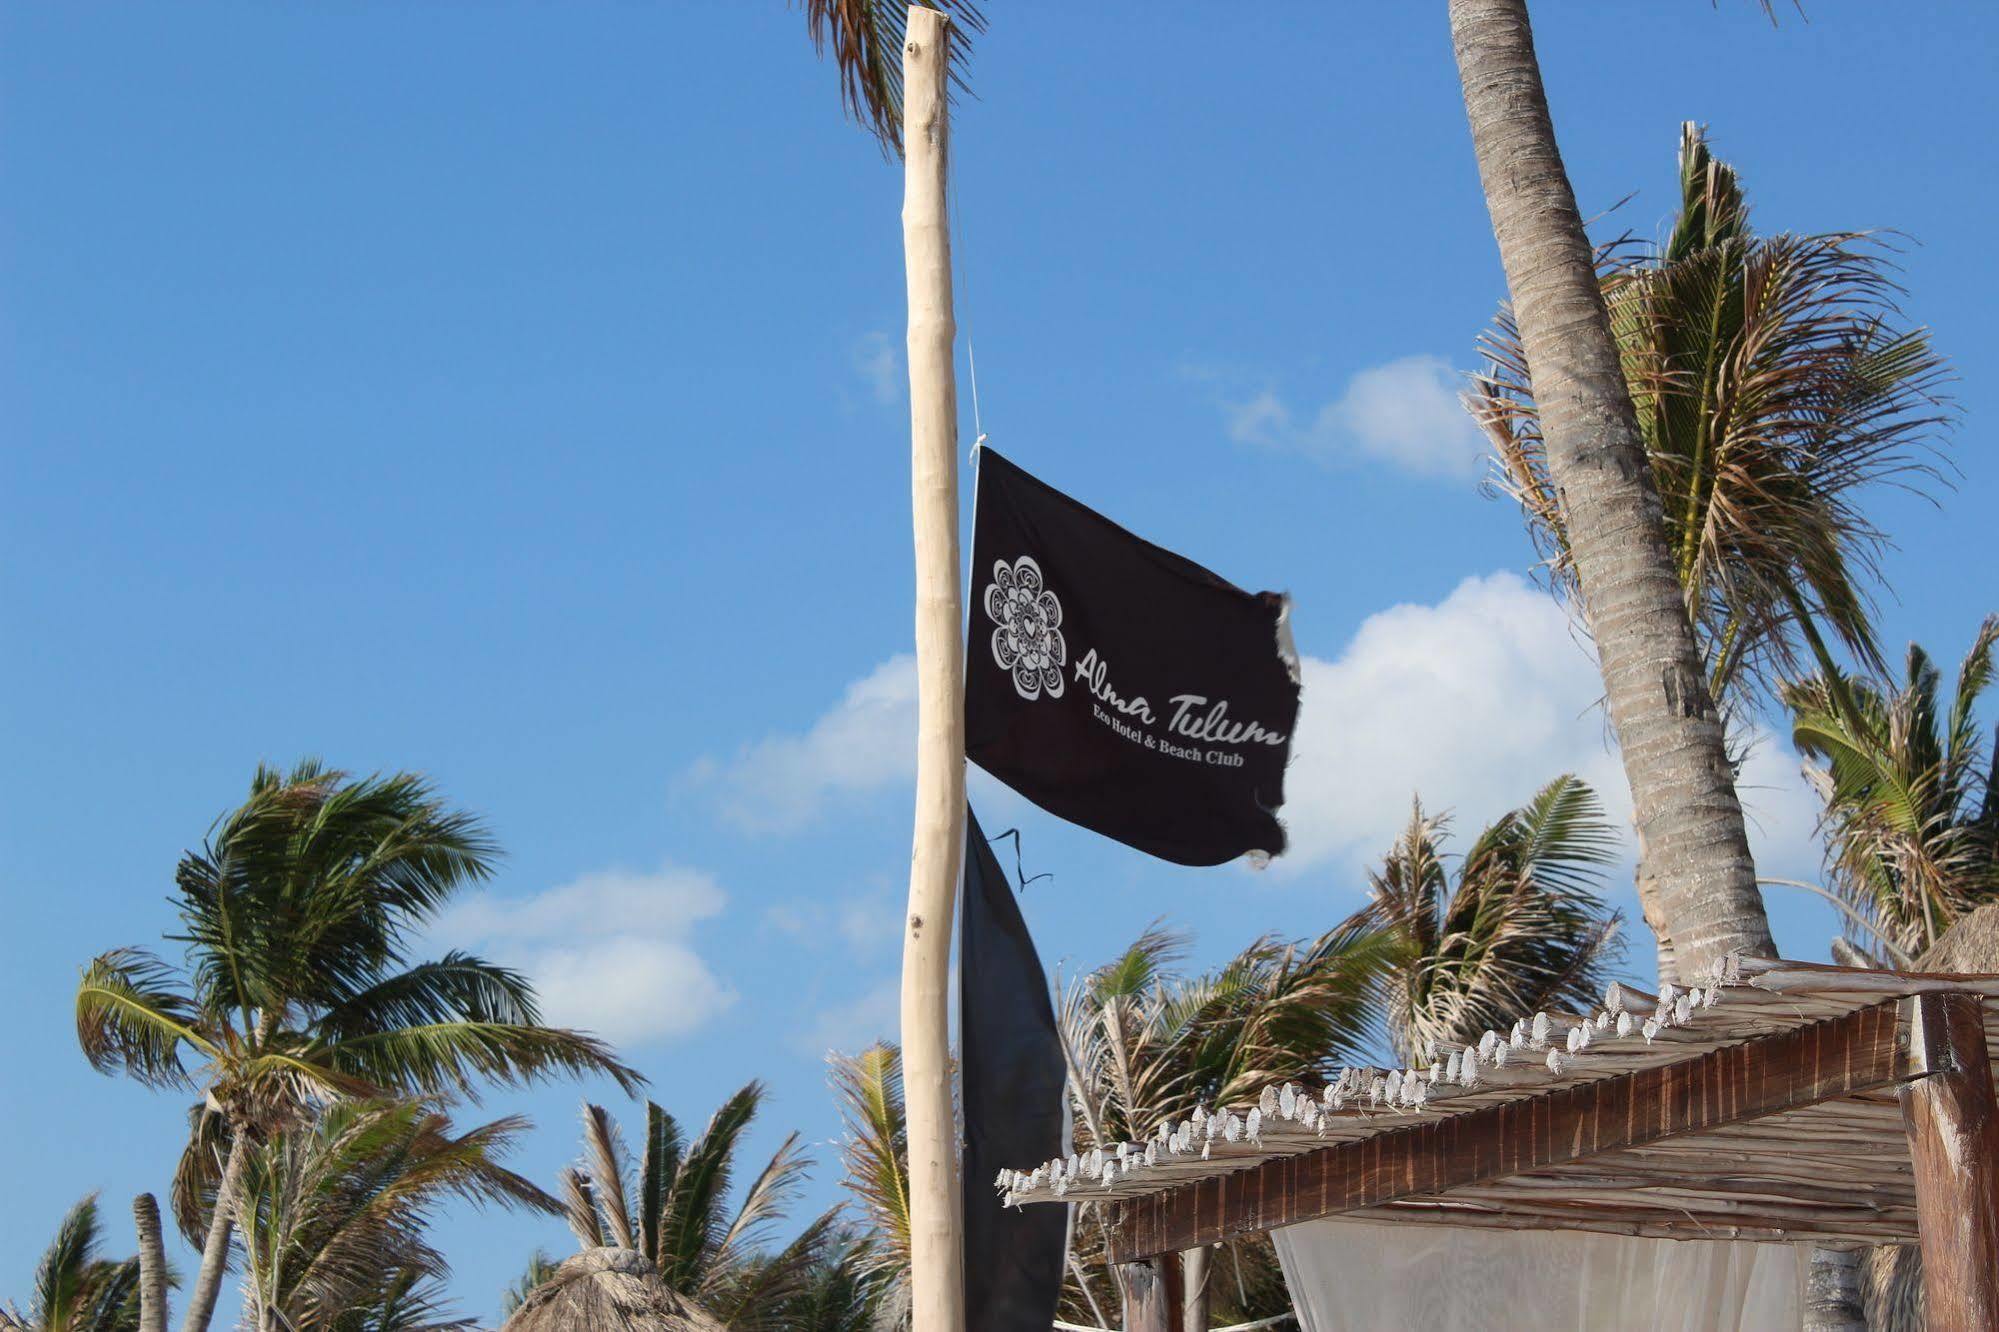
[{"x": 608, "y": 1290}]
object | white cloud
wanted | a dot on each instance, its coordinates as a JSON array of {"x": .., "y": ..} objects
[
  {"x": 862, "y": 923},
  {"x": 1404, "y": 413},
  {"x": 1782, "y": 809},
  {"x": 865, "y": 742},
  {"x": 856, "y": 1024},
  {"x": 1474, "y": 703},
  {"x": 609, "y": 952},
  {"x": 878, "y": 362}
]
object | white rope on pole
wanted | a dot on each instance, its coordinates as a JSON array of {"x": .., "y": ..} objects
[{"x": 961, "y": 266}]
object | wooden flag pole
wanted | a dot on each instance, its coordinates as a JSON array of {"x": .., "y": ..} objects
[{"x": 936, "y": 1247}]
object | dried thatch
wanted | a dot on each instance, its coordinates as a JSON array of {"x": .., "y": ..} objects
[{"x": 608, "y": 1290}]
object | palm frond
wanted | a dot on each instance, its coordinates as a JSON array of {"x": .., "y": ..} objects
[
  {"x": 453, "y": 1058},
  {"x": 659, "y": 1165},
  {"x": 198, "y": 1173},
  {"x": 606, "y": 1167},
  {"x": 456, "y": 985},
  {"x": 1905, "y": 783},
  {"x": 579, "y": 1209},
  {"x": 868, "y": 1087},
  {"x": 866, "y": 39},
  {"x": 692, "y": 1224},
  {"x": 763, "y": 1205},
  {"x": 62, "y": 1275},
  {"x": 132, "y": 1017},
  {"x": 335, "y": 1215},
  {"x": 1524, "y": 929},
  {"x": 540, "y": 1268},
  {"x": 755, "y": 1291}
]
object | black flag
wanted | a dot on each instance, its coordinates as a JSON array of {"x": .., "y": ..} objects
[
  {"x": 1013, "y": 1088},
  {"x": 1120, "y": 686}
]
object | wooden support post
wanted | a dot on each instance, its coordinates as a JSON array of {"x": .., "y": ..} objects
[
  {"x": 1833, "y": 1299},
  {"x": 1154, "y": 1295},
  {"x": 1195, "y": 1266},
  {"x": 938, "y": 852},
  {"x": 1953, "y": 1125}
]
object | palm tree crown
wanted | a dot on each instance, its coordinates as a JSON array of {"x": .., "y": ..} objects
[
  {"x": 333, "y": 1216},
  {"x": 1774, "y": 385},
  {"x": 672, "y": 1206},
  {"x": 1911, "y": 810},
  {"x": 77, "y": 1289},
  {"x": 1148, "y": 1041},
  {"x": 1524, "y": 929},
  {"x": 298, "y": 989}
]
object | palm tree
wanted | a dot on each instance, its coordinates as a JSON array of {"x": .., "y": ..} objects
[
  {"x": 836, "y": 1295},
  {"x": 333, "y": 1215},
  {"x": 1148, "y": 1042},
  {"x": 154, "y": 1276},
  {"x": 671, "y": 1206},
  {"x": 76, "y": 1288},
  {"x": 298, "y": 989},
  {"x": 407, "y": 1302},
  {"x": 1911, "y": 802},
  {"x": 875, "y": 1152},
  {"x": 1774, "y": 388},
  {"x": 539, "y": 1269},
  {"x": 866, "y": 40},
  {"x": 1524, "y": 930},
  {"x": 1698, "y": 878},
  {"x": 1145, "y": 1042}
]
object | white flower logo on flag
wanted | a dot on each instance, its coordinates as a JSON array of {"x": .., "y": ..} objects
[{"x": 1028, "y": 641}]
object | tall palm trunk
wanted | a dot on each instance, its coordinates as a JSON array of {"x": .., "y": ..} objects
[
  {"x": 1697, "y": 869},
  {"x": 215, "y": 1250},
  {"x": 152, "y": 1264}
]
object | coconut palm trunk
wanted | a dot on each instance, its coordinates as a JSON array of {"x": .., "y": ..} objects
[
  {"x": 215, "y": 1250},
  {"x": 152, "y": 1264},
  {"x": 1698, "y": 881}
]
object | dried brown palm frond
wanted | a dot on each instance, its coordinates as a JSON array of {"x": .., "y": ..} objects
[
  {"x": 1776, "y": 387},
  {"x": 865, "y": 37}
]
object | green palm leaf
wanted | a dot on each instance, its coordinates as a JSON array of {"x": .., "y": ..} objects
[
  {"x": 130, "y": 1018},
  {"x": 658, "y": 1168},
  {"x": 1912, "y": 843}
]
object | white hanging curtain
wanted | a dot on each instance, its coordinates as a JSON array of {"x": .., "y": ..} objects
[{"x": 1352, "y": 1276}]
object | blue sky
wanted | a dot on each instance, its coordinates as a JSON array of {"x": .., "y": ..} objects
[{"x": 513, "y": 392}]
